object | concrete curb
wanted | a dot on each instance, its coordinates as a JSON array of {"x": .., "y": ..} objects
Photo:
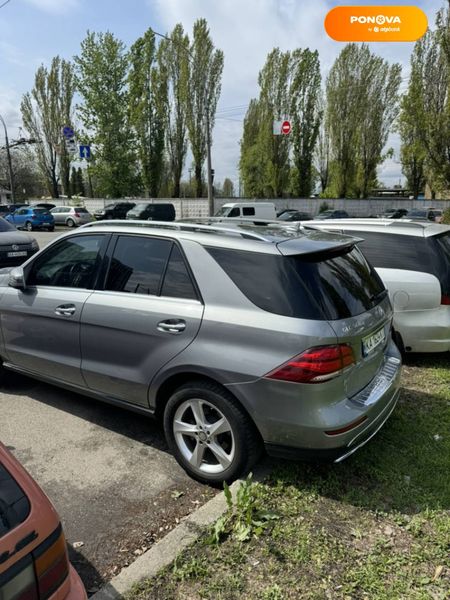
[{"x": 166, "y": 550}]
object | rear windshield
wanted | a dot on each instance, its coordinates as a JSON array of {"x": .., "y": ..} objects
[
  {"x": 78, "y": 209},
  {"x": 5, "y": 226},
  {"x": 14, "y": 505},
  {"x": 40, "y": 211},
  {"x": 336, "y": 286}
]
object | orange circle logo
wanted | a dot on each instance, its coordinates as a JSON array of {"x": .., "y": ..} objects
[{"x": 376, "y": 23}]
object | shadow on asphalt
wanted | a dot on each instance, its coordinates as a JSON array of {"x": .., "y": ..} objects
[
  {"x": 92, "y": 579},
  {"x": 145, "y": 430}
]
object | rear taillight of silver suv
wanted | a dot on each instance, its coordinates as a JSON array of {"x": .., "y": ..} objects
[{"x": 315, "y": 365}]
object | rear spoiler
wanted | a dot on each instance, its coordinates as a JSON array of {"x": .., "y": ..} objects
[{"x": 317, "y": 243}]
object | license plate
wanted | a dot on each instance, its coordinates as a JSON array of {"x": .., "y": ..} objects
[
  {"x": 371, "y": 342},
  {"x": 11, "y": 254}
]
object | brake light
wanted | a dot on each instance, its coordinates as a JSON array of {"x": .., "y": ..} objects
[
  {"x": 315, "y": 365},
  {"x": 51, "y": 564},
  {"x": 76, "y": 214},
  {"x": 445, "y": 300}
]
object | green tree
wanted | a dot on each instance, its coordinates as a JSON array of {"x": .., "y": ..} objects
[
  {"x": 148, "y": 105},
  {"x": 274, "y": 104},
  {"x": 322, "y": 150},
  {"x": 305, "y": 115},
  {"x": 173, "y": 58},
  {"x": 252, "y": 160},
  {"x": 45, "y": 111},
  {"x": 362, "y": 102},
  {"x": 411, "y": 126},
  {"x": 101, "y": 76},
  {"x": 205, "y": 73},
  {"x": 430, "y": 64}
]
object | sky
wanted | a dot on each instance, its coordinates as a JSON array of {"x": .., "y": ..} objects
[{"x": 33, "y": 31}]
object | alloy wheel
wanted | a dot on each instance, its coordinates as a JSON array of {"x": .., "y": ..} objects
[{"x": 204, "y": 436}]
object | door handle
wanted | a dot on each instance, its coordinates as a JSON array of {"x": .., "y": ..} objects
[
  {"x": 65, "y": 310},
  {"x": 172, "y": 326}
]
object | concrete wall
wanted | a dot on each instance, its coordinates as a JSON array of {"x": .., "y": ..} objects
[{"x": 198, "y": 207}]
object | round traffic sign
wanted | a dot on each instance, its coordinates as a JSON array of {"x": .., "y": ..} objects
[
  {"x": 68, "y": 132},
  {"x": 286, "y": 127}
]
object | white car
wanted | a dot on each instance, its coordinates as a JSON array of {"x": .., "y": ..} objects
[{"x": 413, "y": 260}]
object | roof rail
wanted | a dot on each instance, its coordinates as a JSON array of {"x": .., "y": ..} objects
[{"x": 193, "y": 226}]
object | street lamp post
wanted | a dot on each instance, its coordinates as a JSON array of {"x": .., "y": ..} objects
[
  {"x": 8, "y": 154},
  {"x": 208, "y": 134}
]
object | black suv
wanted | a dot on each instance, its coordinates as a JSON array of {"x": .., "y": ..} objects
[
  {"x": 115, "y": 210},
  {"x": 146, "y": 211}
]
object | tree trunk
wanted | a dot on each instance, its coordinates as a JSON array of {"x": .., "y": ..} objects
[
  {"x": 176, "y": 188},
  {"x": 199, "y": 182}
]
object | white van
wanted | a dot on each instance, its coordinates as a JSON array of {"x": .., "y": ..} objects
[{"x": 260, "y": 210}]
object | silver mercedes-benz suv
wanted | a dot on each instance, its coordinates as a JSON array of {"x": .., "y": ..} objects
[{"x": 237, "y": 338}]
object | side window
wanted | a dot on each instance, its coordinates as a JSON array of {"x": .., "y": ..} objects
[
  {"x": 137, "y": 265},
  {"x": 71, "y": 263},
  {"x": 23, "y": 211},
  {"x": 177, "y": 282},
  {"x": 234, "y": 212},
  {"x": 248, "y": 211}
]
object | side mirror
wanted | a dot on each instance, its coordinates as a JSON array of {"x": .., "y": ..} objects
[{"x": 17, "y": 279}]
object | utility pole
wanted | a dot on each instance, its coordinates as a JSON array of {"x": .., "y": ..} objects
[
  {"x": 8, "y": 154},
  {"x": 208, "y": 132}
]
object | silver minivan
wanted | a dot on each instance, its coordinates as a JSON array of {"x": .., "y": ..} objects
[{"x": 237, "y": 338}]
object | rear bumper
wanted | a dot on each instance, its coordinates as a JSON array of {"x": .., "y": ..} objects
[
  {"x": 77, "y": 591},
  {"x": 306, "y": 421},
  {"x": 424, "y": 330},
  {"x": 334, "y": 454}
]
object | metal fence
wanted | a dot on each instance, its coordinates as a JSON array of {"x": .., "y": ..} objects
[{"x": 198, "y": 207}]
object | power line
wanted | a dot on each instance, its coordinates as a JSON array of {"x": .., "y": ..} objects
[{"x": 4, "y": 3}]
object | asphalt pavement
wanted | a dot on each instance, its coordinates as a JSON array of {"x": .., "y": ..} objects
[{"x": 107, "y": 470}]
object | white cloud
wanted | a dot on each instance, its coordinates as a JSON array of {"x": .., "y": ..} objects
[
  {"x": 55, "y": 7},
  {"x": 246, "y": 32}
]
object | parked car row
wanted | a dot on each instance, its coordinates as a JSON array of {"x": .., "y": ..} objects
[{"x": 143, "y": 211}]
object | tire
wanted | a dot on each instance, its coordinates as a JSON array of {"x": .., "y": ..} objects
[
  {"x": 109, "y": 217},
  {"x": 51, "y": 228},
  {"x": 70, "y": 223},
  {"x": 238, "y": 443},
  {"x": 29, "y": 226}
]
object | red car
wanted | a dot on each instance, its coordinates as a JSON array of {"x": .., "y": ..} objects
[{"x": 34, "y": 564}]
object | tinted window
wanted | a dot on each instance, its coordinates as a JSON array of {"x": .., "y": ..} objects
[
  {"x": 339, "y": 286},
  {"x": 79, "y": 209},
  {"x": 40, "y": 211},
  {"x": 14, "y": 505},
  {"x": 137, "y": 265},
  {"x": 234, "y": 212},
  {"x": 177, "y": 282},
  {"x": 418, "y": 214},
  {"x": 5, "y": 226},
  {"x": 248, "y": 211},
  {"x": 394, "y": 251},
  {"x": 441, "y": 243},
  {"x": 71, "y": 263}
]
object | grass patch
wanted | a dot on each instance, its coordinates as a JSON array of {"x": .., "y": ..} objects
[{"x": 376, "y": 526}]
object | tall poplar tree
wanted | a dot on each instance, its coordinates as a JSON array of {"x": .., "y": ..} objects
[
  {"x": 148, "y": 109},
  {"x": 173, "y": 58},
  {"x": 205, "y": 74}
]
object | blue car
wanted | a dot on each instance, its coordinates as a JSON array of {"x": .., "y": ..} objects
[{"x": 30, "y": 218}]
